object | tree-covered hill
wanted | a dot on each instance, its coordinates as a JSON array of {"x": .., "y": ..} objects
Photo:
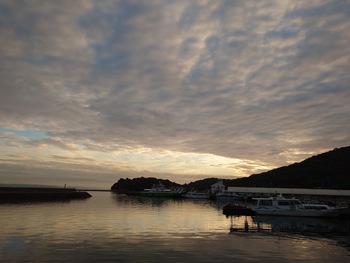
[
  {"x": 201, "y": 185},
  {"x": 330, "y": 170},
  {"x": 139, "y": 184}
]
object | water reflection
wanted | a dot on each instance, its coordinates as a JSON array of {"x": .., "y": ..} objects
[
  {"x": 116, "y": 228},
  {"x": 292, "y": 225},
  {"x": 141, "y": 200},
  {"x": 121, "y": 199}
]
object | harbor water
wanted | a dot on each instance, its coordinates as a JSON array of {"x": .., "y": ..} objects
[{"x": 117, "y": 228}]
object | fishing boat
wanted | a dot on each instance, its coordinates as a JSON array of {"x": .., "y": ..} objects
[
  {"x": 196, "y": 195},
  {"x": 159, "y": 190},
  {"x": 228, "y": 196},
  {"x": 281, "y": 206}
]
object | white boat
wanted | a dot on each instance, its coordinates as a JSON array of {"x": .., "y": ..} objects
[
  {"x": 159, "y": 190},
  {"x": 280, "y": 206},
  {"x": 196, "y": 195},
  {"x": 228, "y": 196}
]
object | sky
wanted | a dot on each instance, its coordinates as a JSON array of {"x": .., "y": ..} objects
[{"x": 94, "y": 91}]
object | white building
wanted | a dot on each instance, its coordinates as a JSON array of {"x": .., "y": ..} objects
[{"x": 218, "y": 187}]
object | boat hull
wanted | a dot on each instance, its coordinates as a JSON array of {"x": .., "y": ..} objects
[
  {"x": 297, "y": 213},
  {"x": 238, "y": 210}
]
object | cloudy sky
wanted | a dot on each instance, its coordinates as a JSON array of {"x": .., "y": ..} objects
[{"x": 93, "y": 91}]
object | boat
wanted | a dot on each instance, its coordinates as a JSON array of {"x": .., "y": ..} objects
[
  {"x": 228, "y": 196},
  {"x": 196, "y": 195},
  {"x": 281, "y": 206},
  {"x": 159, "y": 190},
  {"x": 237, "y": 210}
]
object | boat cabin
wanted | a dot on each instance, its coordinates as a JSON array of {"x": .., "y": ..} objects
[{"x": 279, "y": 201}]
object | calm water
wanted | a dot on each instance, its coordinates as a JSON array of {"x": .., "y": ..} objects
[{"x": 117, "y": 228}]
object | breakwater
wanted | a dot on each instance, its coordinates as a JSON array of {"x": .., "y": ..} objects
[{"x": 27, "y": 194}]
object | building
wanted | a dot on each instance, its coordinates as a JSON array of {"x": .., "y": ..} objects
[{"x": 218, "y": 187}]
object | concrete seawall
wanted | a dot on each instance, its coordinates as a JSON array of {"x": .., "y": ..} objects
[{"x": 19, "y": 194}]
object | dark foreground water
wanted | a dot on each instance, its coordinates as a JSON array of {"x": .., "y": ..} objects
[{"x": 117, "y": 228}]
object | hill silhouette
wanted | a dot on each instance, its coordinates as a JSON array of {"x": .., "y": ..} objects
[
  {"x": 139, "y": 184},
  {"x": 330, "y": 170}
]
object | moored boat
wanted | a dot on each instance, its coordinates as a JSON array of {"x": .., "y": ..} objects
[
  {"x": 159, "y": 190},
  {"x": 280, "y": 206},
  {"x": 196, "y": 195},
  {"x": 228, "y": 196}
]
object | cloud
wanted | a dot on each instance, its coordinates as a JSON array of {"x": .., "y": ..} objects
[
  {"x": 46, "y": 29},
  {"x": 265, "y": 82}
]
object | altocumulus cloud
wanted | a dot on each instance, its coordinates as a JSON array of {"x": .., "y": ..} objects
[{"x": 130, "y": 88}]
